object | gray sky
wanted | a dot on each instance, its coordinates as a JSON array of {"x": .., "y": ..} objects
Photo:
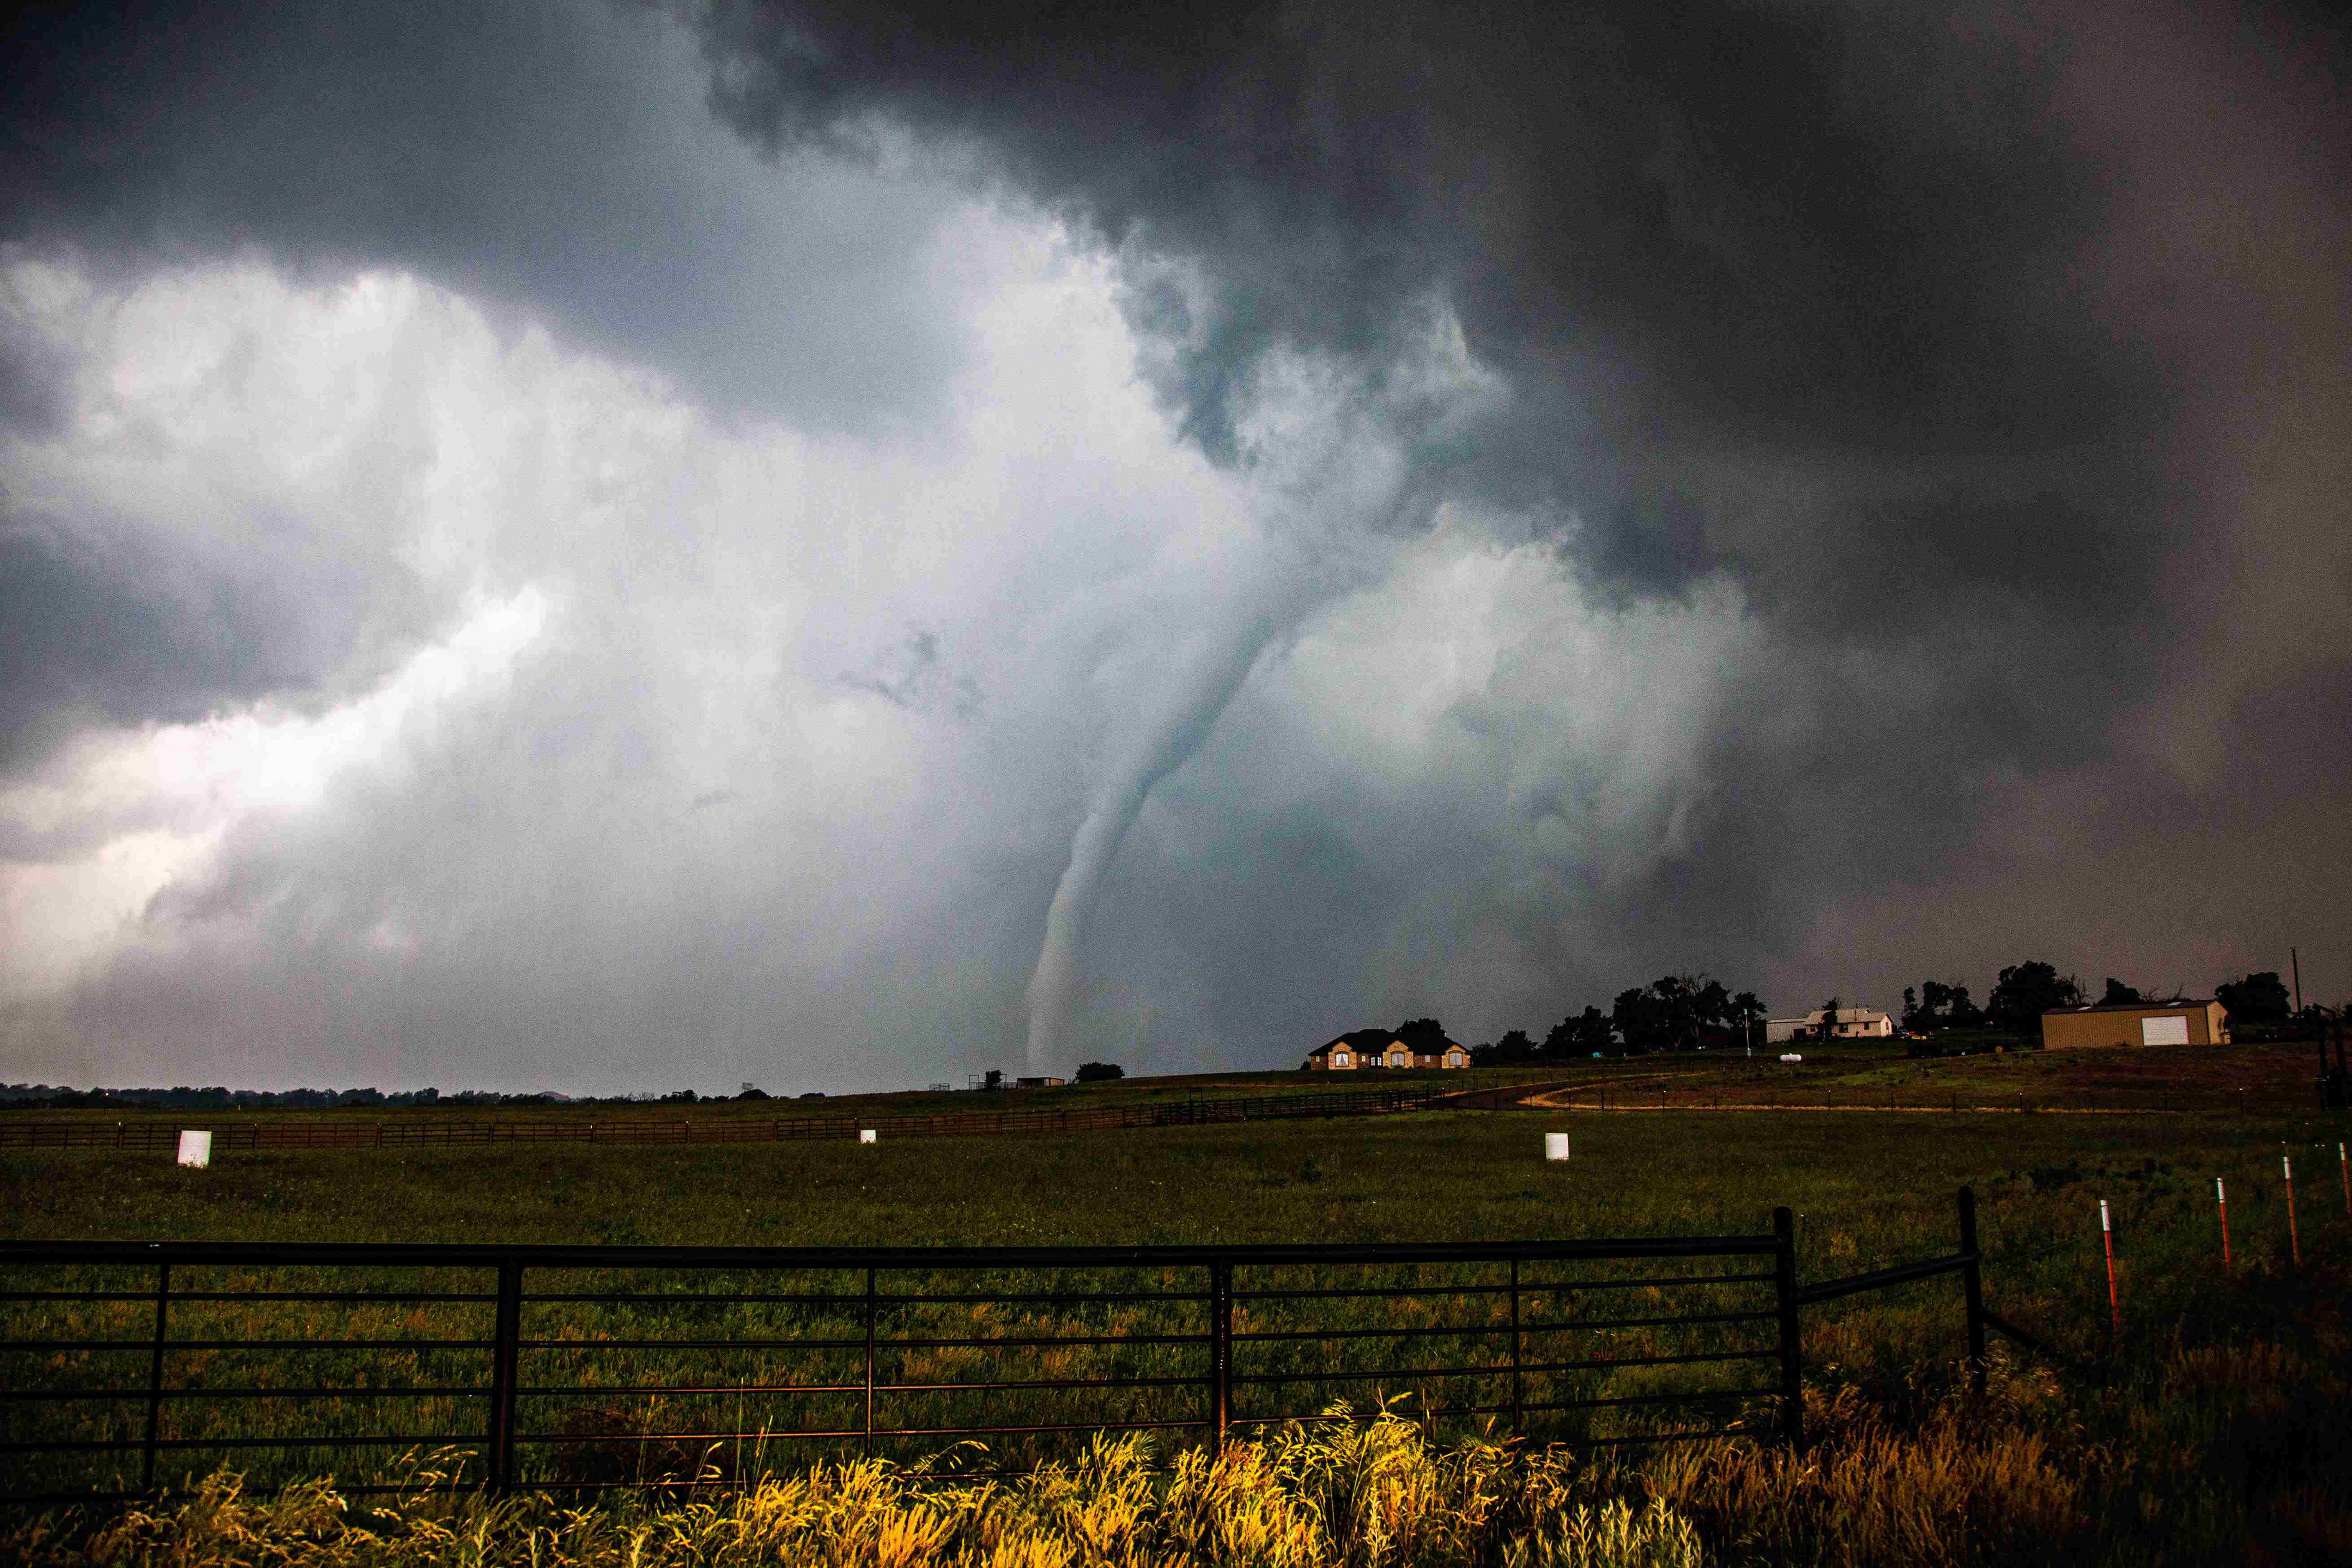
[{"x": 613, "y": 547}]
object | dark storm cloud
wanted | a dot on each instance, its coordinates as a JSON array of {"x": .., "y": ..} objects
[
  {"x": 1887, "y": 495},
  {"x": 1792, "y": 227},
  {"x": 34, "y": 381},
  {"x": 1932, "y": 332},
  {"x": 1721, "y": 252},
  {"x": 521, "y": 151},
  {"x": 538, "y": 157},
  {"x": 112, "y": 623}
]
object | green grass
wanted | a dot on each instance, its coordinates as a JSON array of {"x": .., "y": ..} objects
[
  {"x": 843, "y": 1107},
  {"x": 1876, "y": 1185},
  {"x": 2200, "y": 1356}
]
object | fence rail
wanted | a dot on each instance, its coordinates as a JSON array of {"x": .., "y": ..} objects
[
  {"x": 581, "y": 1368},
  {"x": 232, "y": 1130}
]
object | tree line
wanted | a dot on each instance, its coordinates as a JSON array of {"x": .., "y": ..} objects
[
  {"x": 1688, "y": 1012},
  {"x": 2025, "y": 991},
  {"x": 183, "y": 1097},
  {"x": 1672, "y": 1013}
]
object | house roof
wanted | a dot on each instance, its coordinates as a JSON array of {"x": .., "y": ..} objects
[
  {"x": 2181, "y": 1005},
  {"x": 1362, "y": 1040},
  {"x": 1379, "y": 1040}
]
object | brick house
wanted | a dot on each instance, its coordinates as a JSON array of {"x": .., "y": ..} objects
[{"x": 1362, "y": 1048}]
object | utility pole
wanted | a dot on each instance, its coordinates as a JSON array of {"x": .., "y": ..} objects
[{"x": 2294, "y": 961}]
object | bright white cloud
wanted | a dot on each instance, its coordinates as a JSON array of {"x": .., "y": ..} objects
[
  {"x": 153, "y": 805},
  {"x": 728, "y": 750}
]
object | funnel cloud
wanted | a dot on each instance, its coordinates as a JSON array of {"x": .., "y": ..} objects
[{"x": 606, "y": 547}]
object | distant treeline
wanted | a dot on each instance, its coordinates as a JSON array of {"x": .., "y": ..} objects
[
  {"x": 1693, "y": 1011},
  {"x": 1674, "y": 1012},
  {"x": 2026, "y": 991},
  {"x": 65, "y": 1096}
]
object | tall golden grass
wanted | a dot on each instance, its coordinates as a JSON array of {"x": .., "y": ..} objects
[{"x": 2212, "y": 1456}]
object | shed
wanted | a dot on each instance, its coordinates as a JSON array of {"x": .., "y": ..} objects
[{"x": 2180, "y": 1022}]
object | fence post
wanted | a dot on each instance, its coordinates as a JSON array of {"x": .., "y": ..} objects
[
  {"x": 1972, "y": 1288},
  {"x": 2221, "y": 1203},
  {"x": 1221, "y": 1349},
  {"x": 2294, "y": 1241},
  {"x": 2114, "y": 1302},
  {"x": 155, "y": 1378},
  {"x": 869, "y": 1360},
  {"x": 1784, "y": 1284},
  {"x": 1518, "y": 1411},
  {"x": 505, "y": 1354}
]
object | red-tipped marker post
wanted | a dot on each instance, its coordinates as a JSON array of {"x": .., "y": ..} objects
[
  {"x": 2293, "y": 1242},
  {"x": 2345, "y": 1165},
  {"x": 2115, "y": 1303},
  {"x": 2221, "y": 1202}
]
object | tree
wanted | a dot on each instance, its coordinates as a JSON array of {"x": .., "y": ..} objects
[
  {"x": 2026, "y": 991},
  {"x": 1422, "y": 1037},
  {"x": 1581, "y": 1035},
  {"x": 1710, "y": 1007},
  {"x": 1639, "y": 1020},
  {"x": 1941, "y": 1006},
  {"x": 1514, "y": 1047},
  {"x": 1593, "y": 1036},
  {"x": 1682, "y": 1006},
  {"x": 1828, "y": 1031},
  {"x": 995, "y": 1078},
  {"x": 1674, "y": 1001},
  {"x": 2260, "y": 998},
  {"x": 1099, "y": 1072},
  {"x": 2119, "y": 994},
  {"x": 1671, "y": 1013}
]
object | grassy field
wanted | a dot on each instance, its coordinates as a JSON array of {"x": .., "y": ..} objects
[
  {"x": 900, "y": 1102},
  {"x": 2254, "y": 1080},
  {"x": 1871, "y": 1179},
  {"x": 2208, "y": 1432}
]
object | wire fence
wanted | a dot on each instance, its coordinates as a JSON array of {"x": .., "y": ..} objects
[{"x": 128, "y": 1368}]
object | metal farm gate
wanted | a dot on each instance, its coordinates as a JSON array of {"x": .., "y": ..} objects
[{"x": 126, "y": 1368}]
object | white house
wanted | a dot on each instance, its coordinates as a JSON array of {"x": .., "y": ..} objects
[{"x": 1853, "y": 1023}]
